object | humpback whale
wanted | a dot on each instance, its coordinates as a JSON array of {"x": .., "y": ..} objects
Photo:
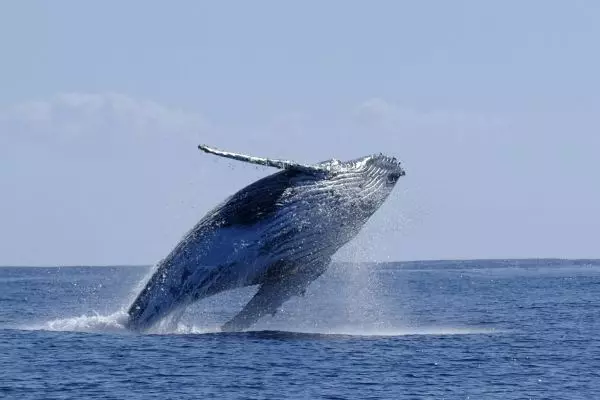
[{"x": 279, "y": 232}]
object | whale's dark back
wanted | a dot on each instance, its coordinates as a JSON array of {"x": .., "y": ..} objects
[{"x": 258, "y": 200}]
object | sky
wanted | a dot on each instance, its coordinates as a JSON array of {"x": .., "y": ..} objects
[{"x": 493, "y": 107}]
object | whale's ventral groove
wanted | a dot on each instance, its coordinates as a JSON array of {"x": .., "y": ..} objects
[{"x": 279, "y": 232}]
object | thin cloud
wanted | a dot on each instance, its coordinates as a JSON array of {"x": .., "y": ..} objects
[
  {"x": 71, "y": 116},
  {"x": 100, "y": 174}
]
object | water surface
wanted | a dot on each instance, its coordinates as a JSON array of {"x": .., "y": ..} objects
[{"x": 440, "y": 329}]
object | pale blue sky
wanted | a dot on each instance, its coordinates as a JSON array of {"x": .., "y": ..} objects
[{"x": 493, "y": 106}]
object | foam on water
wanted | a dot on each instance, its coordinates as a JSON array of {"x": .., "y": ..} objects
[
  {"x": 86, "y": 323},
  {"x": 116, "y": 323},
  {"x": 111, "y": 323}
]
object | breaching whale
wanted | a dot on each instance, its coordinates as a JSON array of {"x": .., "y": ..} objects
[{"x": 279, "y": 232}]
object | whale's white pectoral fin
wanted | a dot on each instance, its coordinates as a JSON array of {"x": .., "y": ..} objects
[{"x": 268, "y": 162}]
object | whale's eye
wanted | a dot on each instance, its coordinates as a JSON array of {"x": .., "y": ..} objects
[{"x": 392, "y": 177}]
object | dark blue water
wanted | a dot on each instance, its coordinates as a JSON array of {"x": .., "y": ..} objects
[{"x": 443, "y": 330}]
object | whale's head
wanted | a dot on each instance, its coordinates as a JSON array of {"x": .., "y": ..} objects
[
  {"x": 323, "y": 193},
  {"x": 363, "y": 184}
]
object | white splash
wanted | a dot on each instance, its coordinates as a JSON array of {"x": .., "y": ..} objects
[
  {"x": 115, "y": 323},
  {"x": 87, "y": 323}
]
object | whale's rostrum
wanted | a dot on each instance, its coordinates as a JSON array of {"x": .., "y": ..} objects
[{"x": 279, "y": 232}]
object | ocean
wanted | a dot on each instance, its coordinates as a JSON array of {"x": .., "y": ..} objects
[{"x": 482, "y": 329}]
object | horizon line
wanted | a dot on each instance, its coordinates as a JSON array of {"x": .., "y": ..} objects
[{"x": 554, "y": 259}]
